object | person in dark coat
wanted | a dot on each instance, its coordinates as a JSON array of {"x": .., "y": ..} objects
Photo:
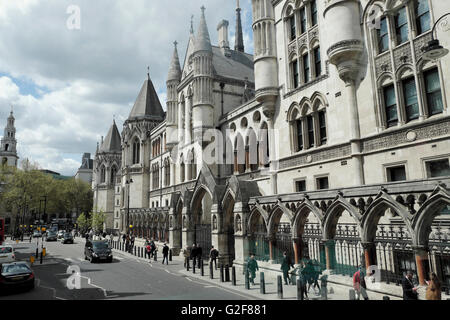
[
  {"x": 252, "y": 267},
  {"x": 409, "y": 290},
  {"x": 213, "y": 254},
  {"x": 165, "y": 252},
  {"x": 193, "y": 254},
  {"x": 286, "y": 265},
  {"x": 152, "y": 248},
  {"x": 199, "y": 255}
]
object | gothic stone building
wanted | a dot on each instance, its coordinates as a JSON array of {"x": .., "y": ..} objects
[{"x": 335, "y": 141}]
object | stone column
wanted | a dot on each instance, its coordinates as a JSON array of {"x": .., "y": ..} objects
[
  {"x": 187, "y": 120},
  {"x": 296, "y": 250},
  {"x": 422, "y": 264},
  {"x": 273, "y": 156},
  {"x": 355, "y": 134},
  {"x": 329, "y": 254},
  {"x": 369, "y": 254},
  {"x": 271, "y": 249}
]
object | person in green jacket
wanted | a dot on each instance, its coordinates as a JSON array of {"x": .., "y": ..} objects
[
  {"x": 252, "y": 267},
  {"x": 285, "y": 266}
]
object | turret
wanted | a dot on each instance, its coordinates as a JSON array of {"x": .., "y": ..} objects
[
  {"x": 173, "y": 80},
  {"x": 342, "y": 18},
  {"x": 203, "y": 110},
  {"x": 265, "y": 59}
]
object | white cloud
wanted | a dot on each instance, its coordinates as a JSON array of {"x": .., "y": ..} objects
[{"x": 66, "y": 85}]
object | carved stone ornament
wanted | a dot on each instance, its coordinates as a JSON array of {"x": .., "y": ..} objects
[{"x": 411, "y": 135}]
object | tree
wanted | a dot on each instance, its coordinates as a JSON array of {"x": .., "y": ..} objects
[
  {"x": 98, "y": 220},
  {"x": 83, "y": 222}
]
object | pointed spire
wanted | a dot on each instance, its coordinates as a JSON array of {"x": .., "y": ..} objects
[
  {"x": 192, "y": 25},
  {"x": 202, "y": 41},
  {"x": 239, "y": 43},
  {"x": 147, "y": 104},
  {"x": 112, "y": 141},
  {"x": 174, "y": 69}
]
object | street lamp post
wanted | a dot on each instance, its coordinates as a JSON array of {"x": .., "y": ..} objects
[
  {"x": 128, "y": 182},
  {"x": 433, "y": 50}
]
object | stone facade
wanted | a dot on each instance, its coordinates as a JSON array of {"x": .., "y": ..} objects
[{"x": 336, "y": 132}]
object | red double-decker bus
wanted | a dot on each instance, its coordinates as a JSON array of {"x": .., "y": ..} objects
[{"x": 2, "y": 230}]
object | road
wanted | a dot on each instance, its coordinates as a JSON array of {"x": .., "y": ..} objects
[{"x": 123, "y": 279}]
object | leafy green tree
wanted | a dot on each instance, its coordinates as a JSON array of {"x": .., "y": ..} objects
[
  {"x": 98, "y": 220},
  {"x": 84, "y": 222}
]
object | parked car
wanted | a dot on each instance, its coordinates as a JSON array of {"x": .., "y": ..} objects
[
  {"x": 37, "y": 234},
  {"x": 60, "y": 234},
  {"x": 7, "y": 254},
  {"x": 97, "y": 250},
  {"x": 52, "y": 236},
  {"x": 16, "y": 275},
  {"x": 67, "y": 238}
]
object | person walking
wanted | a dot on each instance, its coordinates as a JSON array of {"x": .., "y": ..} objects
[
  {"x": 186, "y": 255},
  {"x": 213, "y": 254},
  {"x": 409, "y": 290},
  {"x": 285, "y": 267},
  {"x": 252, "y": 267},
  {"x": 434, "y": 288},
  {"x": 193, "y": 254},
  {"x": 165, "y": 252},
  {"x": 152, "y": 248},
  {"x": 148, "y": 251},
  {"x": 199, "y": 256},
  {"x": 359, "y": 284},
  {"x": 132, "y": 243},
  {"x": 127, "y": 243},
  {"x": 124, "y": 237}
]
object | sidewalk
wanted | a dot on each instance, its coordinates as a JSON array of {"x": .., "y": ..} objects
[{"x": 336, "y": 291}]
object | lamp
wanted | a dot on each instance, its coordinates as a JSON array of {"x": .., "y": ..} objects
[{"x": 433, "y": 50}]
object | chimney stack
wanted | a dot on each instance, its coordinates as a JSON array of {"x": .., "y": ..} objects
[{"x": 222, "y": 28}]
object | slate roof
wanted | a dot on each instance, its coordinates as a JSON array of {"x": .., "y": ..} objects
[
  {"x": 147, "y": 104},
  {"x": 112, "y": 141},
  {"x": 238, "y": 66}
]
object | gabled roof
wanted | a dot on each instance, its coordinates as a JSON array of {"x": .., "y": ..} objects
[
  {"x": 112, "y": 141},
  {"x": 147, "y": 104}
]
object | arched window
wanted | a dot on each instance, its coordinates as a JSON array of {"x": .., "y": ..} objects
[
  {"x": 103, "y": 174},
  {"x": 308, "y": 123},
  {"x": 263, "y": 146},
  {"x": 251, "y": 151},
  {"x": 166, "y": 172},
  {"x": 239, "y": 155},
  {"x": 294, "y": 72},
  {"x": 136, "y": 151},
  {"x": 113, "y": 174},
  {"x": 182, "y": 171}
]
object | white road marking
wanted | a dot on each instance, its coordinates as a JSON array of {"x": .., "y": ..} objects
[{"x": 52, "y": 289}]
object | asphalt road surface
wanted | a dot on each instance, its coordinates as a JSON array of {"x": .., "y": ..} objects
[{"x": 125, "y": 278}]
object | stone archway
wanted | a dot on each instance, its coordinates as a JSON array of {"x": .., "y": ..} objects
[
  {"x": 257, "y": 236},
  {"x": 200, "y": 219},
  {"x": 226, "y": 245}
]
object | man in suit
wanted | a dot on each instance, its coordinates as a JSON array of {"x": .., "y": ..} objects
[{"x": 409, "y": 291}]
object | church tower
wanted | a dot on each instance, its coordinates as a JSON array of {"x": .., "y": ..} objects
[
  {"x": 203, "y": 110},
  {"x": 8, "y": 151}
]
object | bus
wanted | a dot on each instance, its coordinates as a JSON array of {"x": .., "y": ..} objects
[{"x": 2, "y": 231}]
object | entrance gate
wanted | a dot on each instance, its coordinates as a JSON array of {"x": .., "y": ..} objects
[
  {"x": 259, "y": 243},
  {"x": 202, "y": 238},
  {"x": 283, "y": 242}
]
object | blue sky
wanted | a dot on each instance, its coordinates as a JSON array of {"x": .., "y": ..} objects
[{"x": 66, "y": 85}]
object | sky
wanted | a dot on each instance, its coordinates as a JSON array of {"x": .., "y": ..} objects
[{"x": 67, "y": 78}]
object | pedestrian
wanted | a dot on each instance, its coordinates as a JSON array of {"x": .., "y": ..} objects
[
  {"x": 285, "y": 267},
  {"x": 152, "y": 248},
  {"x": 148, "y": 250},
  {"x": 303, "y": 278},
  {"x": 132, "y": 241},
  {"x": 165, "y": 252},
  {"x": 186, "y": 255},
  {"x": 434, "y": 288},
  {"x": 193, "y": 254},
  {"x": 252, "y": 267},
  {"x": 124, "y": 237},
  {"x": 199, "y": 256},
  {"x": 147, "y": 242},
  {"x": 127, "y": 243},
  {"x": 213, "y": 254},
  {"x": 359, "y": 284},
  {"x": 309, "y": 273},
  {"x": 409, "y": 290}
]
